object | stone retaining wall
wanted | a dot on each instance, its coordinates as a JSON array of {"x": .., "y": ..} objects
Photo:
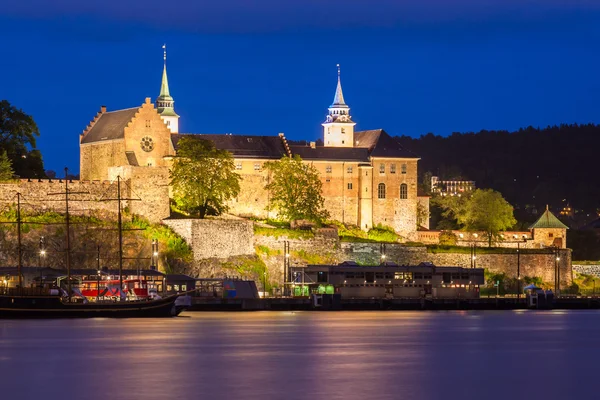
[{"x": 593, "y": 270}]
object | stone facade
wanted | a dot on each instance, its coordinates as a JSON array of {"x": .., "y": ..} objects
[
  {"x": 215, "y": 238},
  {"x": 124, "y": 148},
  {"x": 587, "y": 269}
]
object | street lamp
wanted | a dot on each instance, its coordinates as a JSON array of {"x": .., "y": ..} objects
[
  {"x": 264, "y": 284},
  {"x": 42, "y": 254},
  {"x": 98, "y": 285}
]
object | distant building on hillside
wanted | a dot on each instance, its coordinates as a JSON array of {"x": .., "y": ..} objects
[{"x": 451, "y": 188}]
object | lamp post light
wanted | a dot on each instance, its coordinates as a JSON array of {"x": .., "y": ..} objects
[
  {"x": 286, "y": 266},
  {"x": 557, "y": 273},
  {"x": 382, "y": 252},
  {"x": 98, "y": 285},
  {"x": 42, "y": 254},
  {"x": 264, "y": 284}
]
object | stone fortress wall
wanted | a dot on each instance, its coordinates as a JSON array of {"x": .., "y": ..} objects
[{"x": 89, "y": 197}]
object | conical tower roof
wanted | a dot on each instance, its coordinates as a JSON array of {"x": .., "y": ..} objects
[
  {"x": 548, "y": 220},
  {"x": 338, "y": 98},
  {"x": 164, "y": 102},
  {"x": 164, "y": 86}
]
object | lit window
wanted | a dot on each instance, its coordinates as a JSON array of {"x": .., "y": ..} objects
[
  {"x": 382, "y": 168},
  {"x": 404, "y": 191},
  {"x": 350, "y": 186},
  {"x": 392, "y": 168},
  {"x": 381, "y": 191},
  {"x": 328, "y": 169},
  {"x": 403, "y": 168},
  {"x": 238, "y": 166},
  {"x": 257, "y": 167},
  {"x": 349, "y": 170}
]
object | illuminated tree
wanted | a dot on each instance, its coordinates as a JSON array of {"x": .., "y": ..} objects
[{"x": 203, "y": 177}]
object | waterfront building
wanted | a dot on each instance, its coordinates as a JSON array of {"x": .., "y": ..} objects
[{"x": 389, "y": 280}]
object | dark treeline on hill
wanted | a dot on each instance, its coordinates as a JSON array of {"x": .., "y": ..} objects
[{"x": 530, "y": 167}]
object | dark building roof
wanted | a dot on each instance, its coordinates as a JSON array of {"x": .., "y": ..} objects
[
  {"x": 244, "y": 146},
  {"x": 548, "y": 220},
  {"x": 381, "y": 144},
  {"x": 331, "y": 153},
  {"x": 110, "y": 125}
]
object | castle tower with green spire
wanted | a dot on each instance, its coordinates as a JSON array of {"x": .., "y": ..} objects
[{"x": 164, "y": 101}]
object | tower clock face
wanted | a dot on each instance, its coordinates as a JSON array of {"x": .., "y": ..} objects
[{"x": 147, "y": 143}]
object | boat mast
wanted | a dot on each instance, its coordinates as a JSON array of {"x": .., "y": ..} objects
[
  {"x": 120, "y": 228},
  {"x": 19, "y": 248},
  {"x": 68, "y": 231}
]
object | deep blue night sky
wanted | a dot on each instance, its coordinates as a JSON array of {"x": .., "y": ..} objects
[{"x": 263, "y": 67}]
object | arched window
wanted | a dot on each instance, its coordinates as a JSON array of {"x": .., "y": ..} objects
[
  {"x": 381, "y": 191},
  {"x": 404, "y": 191}
]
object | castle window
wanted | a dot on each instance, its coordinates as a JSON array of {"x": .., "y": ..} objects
[
  {"x": 168, "y": 123},
  {"x": 403, "y": 168},
  {"x": 382, "y": 168},
  {"x": 257, "y": 167},
  {"x": 238, "y": 166},
  {"x": 404, "y": 191},
  {"x": 328, "y": 169},
  {"x": 343, "y": 141},
  {"x": 349, "y": 186},
  {"x": 328, "y": 131},
  {"x": 147, "y": 123},
  {"x": 392, "y": 168},
  {"x": 381, "y": 191},
  {"x": 343, "y": 130},
  {"x": 550, "y": 235},
  {"x": 349, "y": 170}
]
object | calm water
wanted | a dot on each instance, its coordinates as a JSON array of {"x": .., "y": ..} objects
[{"x": 302, "y": 355}]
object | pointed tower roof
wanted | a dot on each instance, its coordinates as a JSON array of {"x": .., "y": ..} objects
[
  {"x": 164, "y": 101},
  {"x": 548, "y": 220},
  {"x": 338, "y": 99},
  {"x": 164, "y": 86}
]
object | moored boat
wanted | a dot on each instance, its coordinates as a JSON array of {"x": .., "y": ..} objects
[
  {"x": 62, "y": 302},
  {"x": 36, "y": 303}
]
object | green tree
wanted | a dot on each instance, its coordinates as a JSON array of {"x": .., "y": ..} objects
[
  {"x": 6, "y": 171},
  {"x": 295, "y": 190},
  {"x": 18, "y": 134},
  {"x": 486, "y": 210},
  {"x": 203, "y": 177}
]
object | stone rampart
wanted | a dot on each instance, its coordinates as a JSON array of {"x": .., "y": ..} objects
[
  {"x": 593, "y": 270},
  {"x": 215, "y": 238},
  {"x": 92, "y": 197}
]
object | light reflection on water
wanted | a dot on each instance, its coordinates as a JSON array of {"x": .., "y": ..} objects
[{"x": 304, "y": 355}]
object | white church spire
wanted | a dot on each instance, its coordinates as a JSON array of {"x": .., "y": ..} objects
[{"x": 338, "y": 128}]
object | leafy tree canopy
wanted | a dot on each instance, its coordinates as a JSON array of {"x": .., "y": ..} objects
[
  {"x": 18, "y": 134},
  {"x": 203, "y": 177},
  {"x": 295, "y": 190},
  {"x": 484, "y": 210}
]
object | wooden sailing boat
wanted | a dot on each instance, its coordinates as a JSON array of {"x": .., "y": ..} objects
[{"x": 23, "y": 302}]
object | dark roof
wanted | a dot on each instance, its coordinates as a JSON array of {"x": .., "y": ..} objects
[
  {"x": 179, "y": 277},
  {"x": 131, "y": 158},
  {"x": 331, "y": 153},
  {"x": 381, "y": 144},
  {"x": 110, "y": 125},
  {"x": 548, "y": 220},
  {"x": 244, "y": 146}
]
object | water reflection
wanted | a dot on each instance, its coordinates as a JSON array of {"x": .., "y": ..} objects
[{"x": 269, "y": 355}]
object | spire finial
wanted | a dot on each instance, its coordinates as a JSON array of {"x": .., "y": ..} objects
[
  {"x": 165, "y": 52},
  {"x": 339, "y": 71}
]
